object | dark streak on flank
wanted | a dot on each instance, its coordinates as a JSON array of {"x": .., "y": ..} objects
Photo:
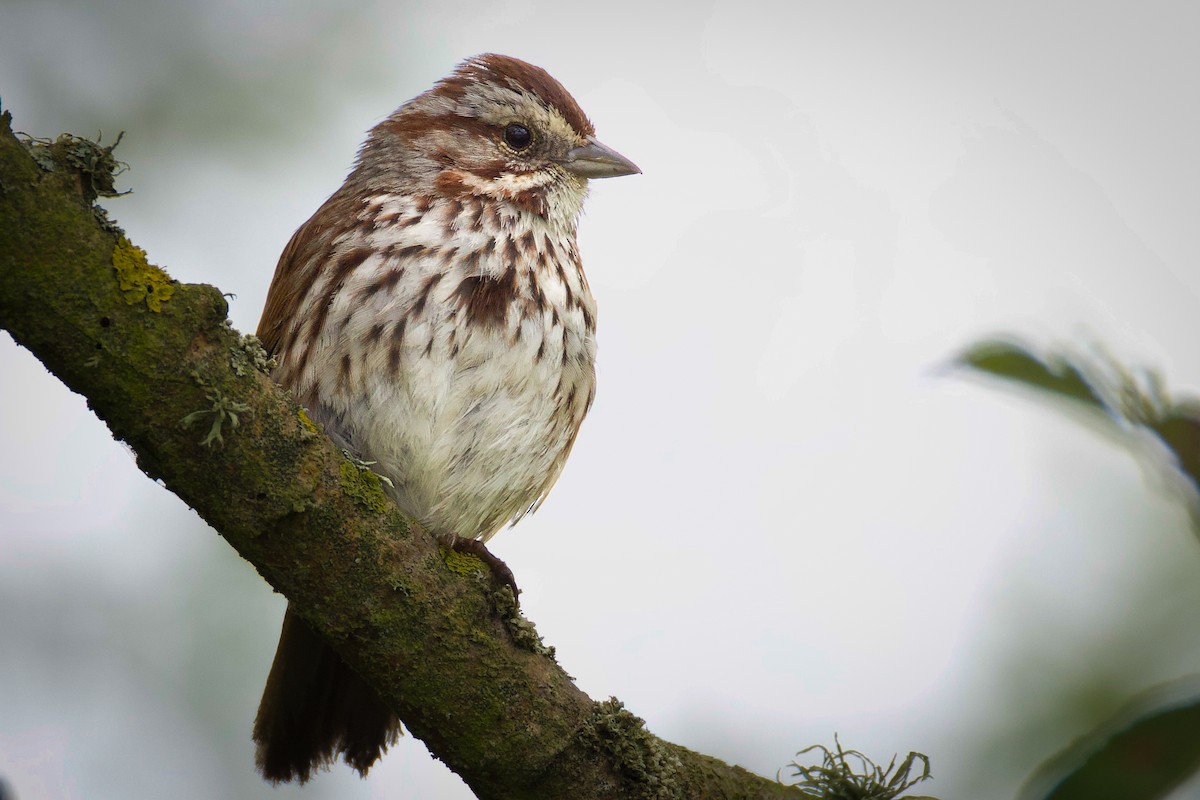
[
  {"x": 385, "y": 284},
  {"x": 528, "y": 243},
  {"x": 396, "y": 348},
  {"x": 418, "y": 305},
  {"x": 511, "y": 256},
  {"x": 340, "y": 269},
  {"x": 485, "y": 299}
]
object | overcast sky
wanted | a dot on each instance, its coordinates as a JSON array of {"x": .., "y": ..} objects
[{"x": 784, "y": 517}]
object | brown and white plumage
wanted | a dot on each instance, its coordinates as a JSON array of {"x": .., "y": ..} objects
[{"x": 434, "y": 316}]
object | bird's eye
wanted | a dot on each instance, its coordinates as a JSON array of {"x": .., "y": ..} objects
[{"x": 517, "y": 136}]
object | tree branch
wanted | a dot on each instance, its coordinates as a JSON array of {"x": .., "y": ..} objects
[{"x": 464, "y": 671}]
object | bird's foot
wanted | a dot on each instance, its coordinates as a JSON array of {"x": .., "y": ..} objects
[{"x": 500, "y": 571}]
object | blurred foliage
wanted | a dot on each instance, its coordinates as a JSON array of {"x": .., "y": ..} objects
[
  {"x": 1143, "y": 753},
  {"x": 193, "y": 78},
  {"x": 1128, "y": 402}
]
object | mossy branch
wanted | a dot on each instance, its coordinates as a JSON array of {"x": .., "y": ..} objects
[{"x": 148, "y": 353}]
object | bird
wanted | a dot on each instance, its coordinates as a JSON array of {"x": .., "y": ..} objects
[{"x": 434, "y": 318}]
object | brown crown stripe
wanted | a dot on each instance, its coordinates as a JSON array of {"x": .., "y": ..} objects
[{"x": 518, "y": 76}]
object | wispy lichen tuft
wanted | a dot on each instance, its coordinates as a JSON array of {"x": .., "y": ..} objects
[
  {"x": 223, "y": 411},
  {"x": 95, "y": 165},
  {"x": 835, "y": 778}
]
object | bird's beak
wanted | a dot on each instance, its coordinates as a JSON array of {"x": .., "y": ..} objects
[{"x": 595, "y": 160}]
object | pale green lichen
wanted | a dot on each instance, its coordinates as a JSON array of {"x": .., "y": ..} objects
[
  {"x": 249, "y": 354},
  {"x": 613, "y": 730},
  {"x": 223, "y": 410},
  {"x": 523, "y": 632},
  {"x": 95, "y": 165},
  {"x": 140, "y": 280},
  {"x": 364, "y": 487}
]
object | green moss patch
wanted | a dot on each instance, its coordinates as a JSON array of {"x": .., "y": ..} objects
[
  {"x": 463, "y": 563},
  {"x": 364, "y": 487}
]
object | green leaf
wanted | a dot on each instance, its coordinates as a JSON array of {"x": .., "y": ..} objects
[
  {"x": 1142, "y": 759},
  {"x": 1130, "y": 400},
  {"x": 1012, "y": 361},
  {"x": 1180, "y": 431}
]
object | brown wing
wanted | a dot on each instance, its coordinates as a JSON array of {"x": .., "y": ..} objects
[{"x": 298, "y": 267}]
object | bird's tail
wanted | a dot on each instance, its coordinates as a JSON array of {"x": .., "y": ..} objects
[{"x": 314, "y": 707}]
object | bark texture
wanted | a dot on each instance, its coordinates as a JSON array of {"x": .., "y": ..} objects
[{"x": 158, "y": 362}]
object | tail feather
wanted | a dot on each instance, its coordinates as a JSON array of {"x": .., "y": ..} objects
[{"x": 314, "y": 707}]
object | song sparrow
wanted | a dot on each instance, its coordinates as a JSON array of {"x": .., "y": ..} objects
[{"x": 434, "y": 317}]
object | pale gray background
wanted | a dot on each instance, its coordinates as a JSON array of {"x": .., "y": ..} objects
[{"x": 782, "y": 518}]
